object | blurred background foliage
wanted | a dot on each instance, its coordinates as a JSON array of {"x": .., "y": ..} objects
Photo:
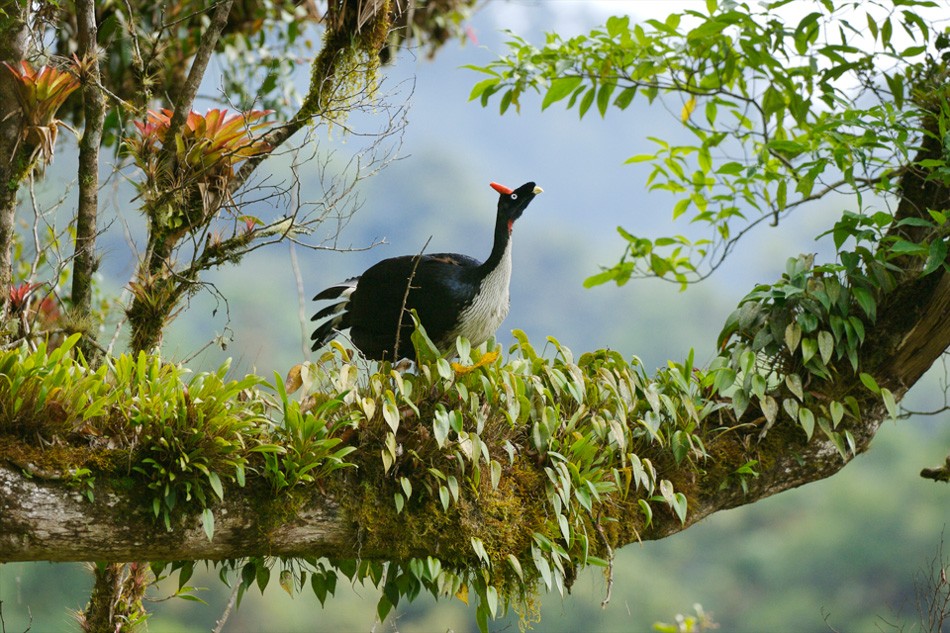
[{"x": 841, "y": 553}]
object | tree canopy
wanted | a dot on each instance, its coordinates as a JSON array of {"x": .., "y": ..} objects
[{"x": 474, "y": 473}]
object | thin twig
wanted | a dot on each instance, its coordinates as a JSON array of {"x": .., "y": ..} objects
[
  {"x": 301, "y": 301},
  {"x": 610, "y": 560},
  {"x": 405, "y": 296},
  {"x": 219, "y": 625}
]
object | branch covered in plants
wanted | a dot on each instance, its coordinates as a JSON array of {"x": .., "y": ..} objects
[{"x": 500, "y": 476}]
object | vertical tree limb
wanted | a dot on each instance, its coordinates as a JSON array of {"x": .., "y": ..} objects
[
  {"x": 94, "y": 112},
  {"x": 147, "y": 321},
  {"x": 186, "y": 98},
  {"x": 13, "y": 31},
  {"x": 116, "y": 601},
  {"x": 160, "y": 246}
]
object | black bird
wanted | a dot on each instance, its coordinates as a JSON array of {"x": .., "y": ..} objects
[{"x": 454, "y": 295}]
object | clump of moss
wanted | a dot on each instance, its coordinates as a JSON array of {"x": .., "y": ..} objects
[
  {"x": 348, "y": 62},
  {"x": 59, "y": 461}
]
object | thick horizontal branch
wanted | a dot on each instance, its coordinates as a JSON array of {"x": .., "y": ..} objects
[{"x": 49, "y": 520}]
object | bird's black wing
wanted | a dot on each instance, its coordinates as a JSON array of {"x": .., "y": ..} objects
[{"x": 439, "y": 286}]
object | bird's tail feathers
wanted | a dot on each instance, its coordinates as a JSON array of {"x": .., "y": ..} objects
[
  {"x": 336, "y": 315},
  {"x": 343, "y": 289}
]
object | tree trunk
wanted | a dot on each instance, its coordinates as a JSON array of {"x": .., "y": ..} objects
[
  {"x": 94, "y": 111},
  {"x": 13, "y": 34}
]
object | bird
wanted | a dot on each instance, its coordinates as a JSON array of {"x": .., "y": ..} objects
[{"x": 453, "y": 295}]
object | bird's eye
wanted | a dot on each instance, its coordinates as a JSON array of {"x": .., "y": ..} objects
[{"x": 514, "y": 196}]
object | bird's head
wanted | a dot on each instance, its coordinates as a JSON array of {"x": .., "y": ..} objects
[{"x": 513, "y": 202}]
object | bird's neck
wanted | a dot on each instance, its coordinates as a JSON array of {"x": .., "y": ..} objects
[{"x": 501, "y": 248}]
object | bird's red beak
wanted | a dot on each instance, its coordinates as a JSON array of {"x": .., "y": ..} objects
[{"x": 502, "y": 189}]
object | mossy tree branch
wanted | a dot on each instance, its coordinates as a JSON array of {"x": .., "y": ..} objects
[{"x": 43, "y": 519}]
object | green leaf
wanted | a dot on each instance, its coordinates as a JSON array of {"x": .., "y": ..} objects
[
  {"x": 680, "y": 208},
  {"x": 560, "y": 88},
  {"x": 625, "y": 97},
  {"x": 617, "y": 26},
  {"x": 506, "y": 100},
  {"x": 794, "y": 384},
  {"x": 481, "y": 618},
  {"x": 287, "y": 582},
  {"x": 215, "y": 482},
  {"x": 866, "y": 300},
  {"x": 809, "y": 349},
  {"x": 444, "y": 497},
  {"x": 826, "y": 345},
  {"x": 491, "y": 598},
  {"x": 793, "y": 335},
  {"x": 936, "y": 256},
  {"x": 781, "y": 195},
  {"x": 603, "y": 97},
  {"x": 600, "y": 278},
  {"x": 262, "y": 575},
  {"x": 586, "y": 101},
  {"x": 565, "y": 528},
  {"x": 837, "y": 412},
  {"x": 495, "y": 468},
  {"x": 730, "y": 169},
  {"x": 383, "y": 607},
  {"x": 679, "y": 505},
  {"x": 725, "y": 379},
  {"x": 207, "y": 521},
  {"x": 740, "y": 402},
  {"x": 453, "y": 485},
  {"x": 391, "y": 411},
  {"x": 791, "y": 408},
  {"x": 542, "y": 565},
  {"x": 479, "y": 547},
  {"x": 639, "y": 158},
  {"x": 807, "y": 419},
  {"x": 870, "y": 383},
  {"x": 440, "y": 426},
  {"x": 647, "y": 511},
  {"x": 889, "y": 403},
  {"x": 516, "y": 566},
  {"x": 483, "y": 87},
  {"x": 769, "y": 408}
]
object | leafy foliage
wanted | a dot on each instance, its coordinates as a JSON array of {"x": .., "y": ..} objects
[
  {"x": 602, "y": 431},
  {"x": 773, "y": 109},
  {"x": 307, "y": 444}
]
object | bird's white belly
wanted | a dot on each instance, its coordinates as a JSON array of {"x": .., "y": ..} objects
[{"x": 480, "y": 320}]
